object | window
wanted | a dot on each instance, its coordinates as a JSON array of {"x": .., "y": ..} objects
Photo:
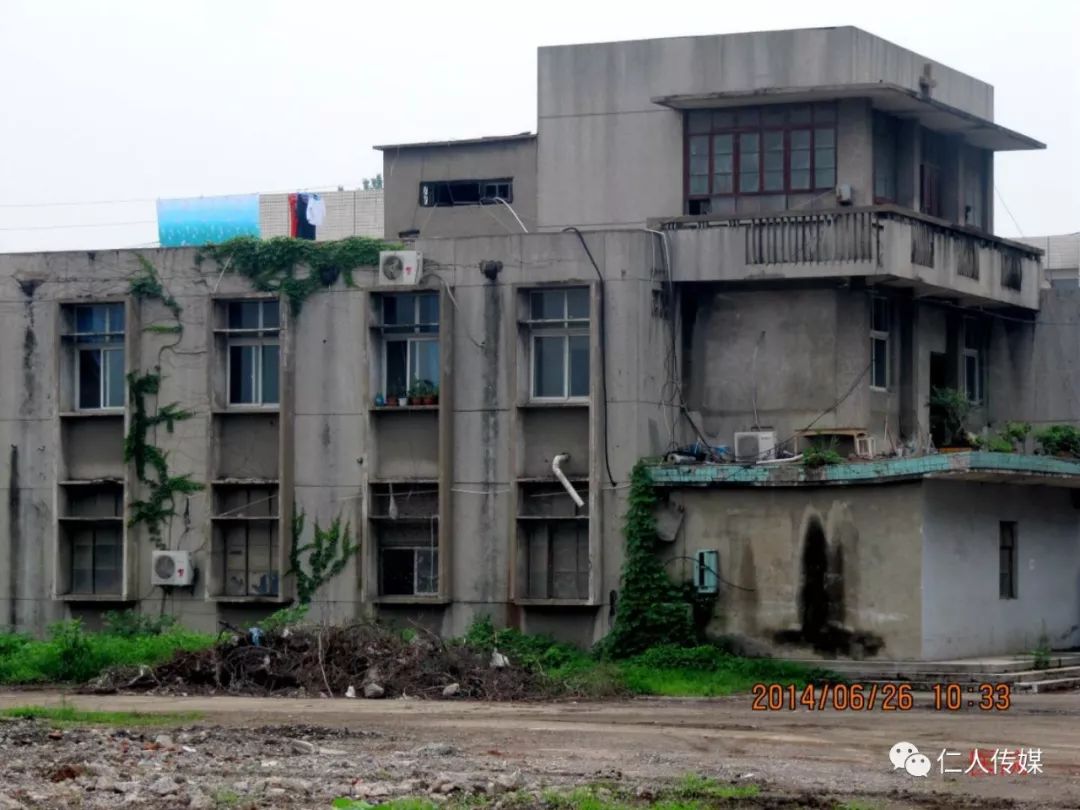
[
  {"x": 439, "y": 193},
  {"x": 253, "y": 352},
  {"x": 409, "y": 571},
  {"x": 973, "y": 372},
  {"x": 933, "y": 156},
  {"x": 558, "y": 559},
  {"x": 879, "y": 343},
  {"x": 99, "y": 361},
  {"x": 885, "y": 160},
  {"x": 780, "y": 149},
  {"x": 245, "y": 540},
  {"x": 405, "y": 528},
  {"x": 559, "y": 318},
  {"x": 410, "y": 323},
  {"x": 95, "y": 560},
  {"x": 1007, "y": 559}
]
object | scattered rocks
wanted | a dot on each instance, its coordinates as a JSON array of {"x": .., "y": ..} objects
[
  {"x": 303, "y": 747},
  {"x": 435, "y": 749},
  {"x": 373, "y": 691},
  {"x": 165, "y": 786},
  {"x": 451, "y": 690}
]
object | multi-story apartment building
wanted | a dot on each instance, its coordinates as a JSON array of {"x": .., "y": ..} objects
[{"x": 786, "y": 232}]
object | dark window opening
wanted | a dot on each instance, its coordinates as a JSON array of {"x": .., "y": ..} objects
[
  {"x": 1007, "y": 559},
  {"x": 886, "y": 160},
  {"x": 439, "y": 193}
]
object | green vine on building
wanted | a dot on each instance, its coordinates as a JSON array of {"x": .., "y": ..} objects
[{"x": 327, "y": 554}]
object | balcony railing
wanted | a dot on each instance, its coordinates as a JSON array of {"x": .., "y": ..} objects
[{"x": 873, "y": 240}]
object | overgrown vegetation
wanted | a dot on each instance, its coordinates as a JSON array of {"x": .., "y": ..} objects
[
  {"x": 146, "y": 285},
  {"x": 1009, "y": 439},
  {"x": 70, "y": 654},
  {"x": 274, "y": 265},
  {"x": 651, "y": 609},
  {"x": 1060, "y": 440},
  {"x": 1040, "y": 656},
  {"x": 327, "y": 554},
  {"x": 819, "y": 454},
  {"x": 70, "y": 716},
  {"x": 949, "y": 410}
]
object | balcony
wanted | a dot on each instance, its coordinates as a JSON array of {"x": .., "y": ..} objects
[{"x": 885, "y": 244}]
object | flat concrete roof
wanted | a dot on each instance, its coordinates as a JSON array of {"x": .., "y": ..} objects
[
  {"x": 484, "y": 139},
  {"x": 1000, "y": 468},
  {"x": 890, "y": 98}
]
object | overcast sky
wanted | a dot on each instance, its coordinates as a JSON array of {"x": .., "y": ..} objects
[{"x": 116, "y": 100}]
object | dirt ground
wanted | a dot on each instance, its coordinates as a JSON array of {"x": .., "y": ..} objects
[{"x": 269, "y": 752}]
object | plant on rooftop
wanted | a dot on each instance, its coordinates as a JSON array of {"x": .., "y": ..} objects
[
  {"x": 295, "y": 268},
  {"x": 949, "y": 410},
  {"x": 819, "y": 454},
  {"x": 1060, "y": 440},
  {"x": 1010, "y": 439}
]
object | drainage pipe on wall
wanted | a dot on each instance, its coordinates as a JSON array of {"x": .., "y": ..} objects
[{"x": 555, "y": 468}]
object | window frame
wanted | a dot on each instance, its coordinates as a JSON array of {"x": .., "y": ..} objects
[
  {"x": 1008, "y": 574},
  {"x": 94, "y": 544},
  {"x": 261, "y": 337},
  {"x": 564, "y": 328},
  {"x": 427, "y": 198},
  {"x": 109, "y": 341},
  {"x": 395, "y": 333},
  {"x": 880, "y": 336},
  {"x": 415, "y": 550},
  {"x": 972, "y": 351},
  {"x": 736, "y": 131},
  {"x": 544, "y": 531}
]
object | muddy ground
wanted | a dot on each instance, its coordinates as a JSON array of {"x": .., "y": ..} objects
[{"x": 286, "y": 753}]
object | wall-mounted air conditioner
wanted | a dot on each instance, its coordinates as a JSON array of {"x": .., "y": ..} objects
[
  {"x": 754, "y": 446},
  {"x": 400, "y": 268},
  {"x": 707, "y": 574},
  {"x": 172, "y": 568}
]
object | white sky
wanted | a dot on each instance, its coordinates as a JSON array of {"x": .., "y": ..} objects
[{"x": 139, "y": 99}]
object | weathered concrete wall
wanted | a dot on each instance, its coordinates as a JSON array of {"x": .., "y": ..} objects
[
  {"x": 873, "y": 538},
  {"x": 405, "y": 168},
  {"x": 963, "y": 614},
  {"x": 596, "y": 117}
]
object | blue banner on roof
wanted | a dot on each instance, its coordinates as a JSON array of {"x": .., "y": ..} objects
[{"x": 205, "y": 220}]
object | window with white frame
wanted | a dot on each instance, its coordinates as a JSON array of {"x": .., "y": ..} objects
[
  {"x": 254, "y": 354},
  {"x": 559, "y": 343},
  {"x": 973, "y": 370},
  {"x": 99, "y": 356},
  {"x": 96, "y": 562},
  {"x": 879, "y": 343},
  {"x": 410, "y": 325}
]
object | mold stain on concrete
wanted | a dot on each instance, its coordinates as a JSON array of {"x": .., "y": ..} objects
[
  {"x": 489, "y": 428},
  {"x": 14, "y": 535}
]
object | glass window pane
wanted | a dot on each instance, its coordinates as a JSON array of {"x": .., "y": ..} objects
[
  {"x": 424, "y": 358},
  {"x": 800, "y": 139},
  {"x": 116, "y": 318},
  {"x": 825, "y": 136},
  {"x": 241, "y": 374},
  {"x": 774, "y": 181},
  {"x": 244, "y": 314},
  {"x": 699, "y": 145},
  {"x": 749, "y": 182},
  {"x": 271, "y": 314},
  {"x": 90, "y": 319},
  {"x": 773, "y": 116},
  {"x": 429, "y": 308},
  {"x": 800, "y": 159},
  {"x": 723, "y": 144},
  {"x": 971, "y": 374},
  {"x": 800, "y": 179},
  {"x": 577, "y": 302},
  {"x": 107, "y": 561},
  {"x": 825, "y": 113},
  {"x": 748, "y": 116},
  {"x": 82, "y": 562},
  {"x": 579, "y": 365},
  {"x": 748, "y": 142},
  {"x": 723, "y": 164},
  {"x": 427, "y": 570},
  {"x": 774, "y": 161},
  {"x": 698, "y": 121},
  {"x": 774, "y": 141},
  {"x": 723, "y": 119},
  {"x": 879, "y": 320},
  {"x": 879, "y": 372},
  {"x": 824, "y": 158},
  {"x": 270, "y": 360},
  {"x": 799, "y": 114},
  {"x": 396, "y": 371},
  {"x": 90, "y": 374},
  {"x": 699, "y": 184},
  {"x": 397, "y": 571},
  {"x": 549, "y": 372},
  {"x": 825, "y": 178},
  {"x": 548, "y": 305},
  {"x": 114, "y": 378},
  {"x": 699, "y": 164},
  {"x": 723, "y": 184}
]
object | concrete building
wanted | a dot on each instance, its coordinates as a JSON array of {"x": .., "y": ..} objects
[
  {"x": 1061, "y": 258},
  {"x": 784, "y": 233}
]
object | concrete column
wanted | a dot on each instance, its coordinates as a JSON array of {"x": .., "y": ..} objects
[{"x": 855, "y": 149}]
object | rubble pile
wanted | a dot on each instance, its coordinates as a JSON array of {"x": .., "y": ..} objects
[{"x": 355, "y": 660}]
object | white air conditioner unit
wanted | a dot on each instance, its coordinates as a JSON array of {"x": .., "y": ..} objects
[
  {"x": 172, "y": 568},
  {"x": 400, "y": 268},
  {"x": 843, "y": 194},
  {"x": 864, "y": 446},
  {"x": 754, "y": 446}
]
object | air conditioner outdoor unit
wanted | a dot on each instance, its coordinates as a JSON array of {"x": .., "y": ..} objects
[
  {"x": 754, "y": 446},
  {"x": 400, "y": 268},
  {"x": 864, "y": 446},
  {"x": 172, "y": 568}
]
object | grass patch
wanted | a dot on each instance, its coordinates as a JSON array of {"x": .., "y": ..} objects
[
  {"x": 691, "y": 792},
  {"x": 69, "y": 715},
  {"x": 70, "y": 654},
  {"x": 693, "y": 786}
]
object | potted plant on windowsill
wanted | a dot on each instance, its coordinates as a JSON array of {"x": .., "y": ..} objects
[
  {"x": 391, "y": 401},
  {"x": 422, "y": 392},
  {"x": 949, "y": 410}
]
